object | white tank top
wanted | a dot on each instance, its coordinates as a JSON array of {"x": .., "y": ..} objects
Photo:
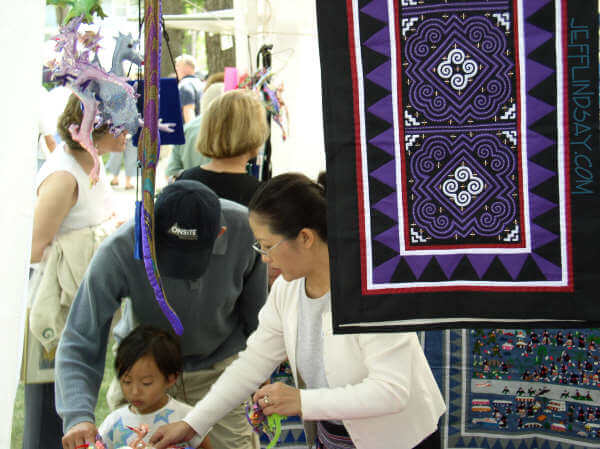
[{"x": 94, "y": 203}]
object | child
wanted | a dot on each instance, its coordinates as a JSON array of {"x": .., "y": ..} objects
[{"x": 148, "y": 362}]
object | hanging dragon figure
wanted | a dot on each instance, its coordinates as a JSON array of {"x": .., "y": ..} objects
[{"x": 107, "y": 98}]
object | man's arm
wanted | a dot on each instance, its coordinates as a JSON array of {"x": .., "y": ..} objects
[
  {"x": 187, "y": 98},
  {"x": 188, "y": 112},
  {"x": 254, "y": 294},
  {"x": 81, "y": 352},
  {"x": 175, "y": 164}
]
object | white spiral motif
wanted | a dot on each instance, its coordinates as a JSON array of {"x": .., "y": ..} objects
[
  {"x": 450, "y": 187},
  {"x": 463, "y": 198},
  {"x": 474, "y": 186},
  {"x": 460, "y": 78},
  {"x": 458, "y": 81},
  {"x": 456, "y": 56},
  {"x": 462, "y": 173},
  {"x": 469, "y": 67},
  {"x": 445, "y": 70}
]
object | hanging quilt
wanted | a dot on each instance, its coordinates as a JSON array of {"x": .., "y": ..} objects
[
  {"x": 517, "y": 388},
  {"x": 462, "y": 161}
]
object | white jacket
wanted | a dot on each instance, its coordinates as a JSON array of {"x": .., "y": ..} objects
[
  {"x": 57, "y": 279},
  {"x": 381, "y": 385}
]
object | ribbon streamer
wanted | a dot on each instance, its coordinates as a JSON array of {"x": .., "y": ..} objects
[{"x": 149, "y": 144}]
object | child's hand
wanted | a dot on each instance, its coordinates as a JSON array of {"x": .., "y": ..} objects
[{"x": 80, "y": 434}]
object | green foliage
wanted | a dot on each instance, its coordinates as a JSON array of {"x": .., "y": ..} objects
[
  {"x": 87, "y": 8},
  {"x": 193, "y": 5},
  {"x": 102, "y": 409}
]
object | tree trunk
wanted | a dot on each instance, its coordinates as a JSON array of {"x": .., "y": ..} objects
[
  {"x": 176, "y": 38},
  {"x": 61, "y": 13},
  {"x": 217, "y": 58}
]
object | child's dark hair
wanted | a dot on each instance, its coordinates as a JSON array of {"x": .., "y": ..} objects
[
  {"x": 149, "y": 340},
  {"x": 291, "y": 202}
]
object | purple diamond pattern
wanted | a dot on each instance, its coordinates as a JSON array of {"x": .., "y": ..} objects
[{"x": 385, "y": 140}]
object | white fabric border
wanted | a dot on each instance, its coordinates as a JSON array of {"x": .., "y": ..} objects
[{"x": 22, "y": 35}]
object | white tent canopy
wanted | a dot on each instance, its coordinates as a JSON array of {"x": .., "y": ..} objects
[
  {"x": 295, "y": 63},
  {"x": 221, "y": 22}
]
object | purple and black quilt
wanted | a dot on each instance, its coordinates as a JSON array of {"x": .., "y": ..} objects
[{"x": 462, "y": 161}]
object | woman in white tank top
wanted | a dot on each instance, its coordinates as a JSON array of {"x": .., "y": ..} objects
[{"x": 66, "y": 200}]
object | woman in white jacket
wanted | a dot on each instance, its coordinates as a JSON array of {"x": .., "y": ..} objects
[{"x": 369, "y": 391}]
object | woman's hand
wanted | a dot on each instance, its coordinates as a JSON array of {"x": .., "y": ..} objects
[
  {"x": 279, "y": 398},
  {"x": 170, "y": 434},
  {"x": 80, "y": 434}
]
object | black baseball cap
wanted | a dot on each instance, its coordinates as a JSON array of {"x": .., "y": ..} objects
[{"x": 187, "y": 221}]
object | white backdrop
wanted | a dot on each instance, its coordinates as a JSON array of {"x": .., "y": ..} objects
[
  {"x": 293, "y": 32},
  {"x": 21, "y": 37}
]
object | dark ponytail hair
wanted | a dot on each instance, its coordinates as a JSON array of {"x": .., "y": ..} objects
[
  {"x": 291, "y": 202},
  {"x": 145, "y": 340}
]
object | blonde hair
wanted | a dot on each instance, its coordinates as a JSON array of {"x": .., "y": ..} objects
[{"x": 234, "y": 123}]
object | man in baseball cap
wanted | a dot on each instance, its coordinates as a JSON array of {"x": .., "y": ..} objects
[
  {"x": 212, "y": 279},
  {"x": 188, "y": 221}
]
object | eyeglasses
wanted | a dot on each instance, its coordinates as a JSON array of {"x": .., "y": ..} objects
[{"x": 256, "y": 246}]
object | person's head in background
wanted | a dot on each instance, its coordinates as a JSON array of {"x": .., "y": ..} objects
[
  {"x": 103, "y": 139},
  {"x": 147, "y": 364},
  {"x": 185, "y": 65},
  {"x": 210, "y": 93},
  {"x": 218, "y": 77},
  {"x": 234, "y": 125},
  {"x": 288, "y": 215}
]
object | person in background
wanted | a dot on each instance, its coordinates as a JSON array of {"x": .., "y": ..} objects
[
  {"x": 183, "y": 157},
  {"x": 190, "y": 86},
  {"x": 147, "y": 364},
  {"x": 213, "y": 281},
  {"x": 365, "y": 391},
  {"x": 232, "y": 131},
  {"x": 65, "y": 198},
  {"x": 129, "y": 159},
  {"x": 66, "y": 204}
]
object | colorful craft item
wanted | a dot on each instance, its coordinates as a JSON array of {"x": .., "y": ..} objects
[
  {"x": 99, "y": 444},
  {"x": 269, "y": 425},
  {"x": 141, "y": 432},
  {"x": 230, "y": 79},
  {"x": 272, "y": 96},
  {"x": 148, "y": 154},
  {"x": 106, "y": 97},
  {"x": 139, "y": 442}
]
